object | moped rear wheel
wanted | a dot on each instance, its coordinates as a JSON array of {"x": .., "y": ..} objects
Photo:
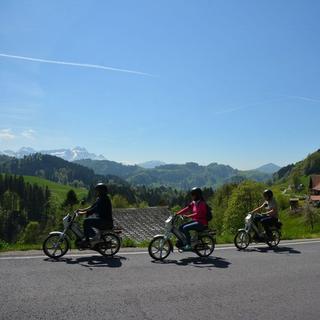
[
  {"x": 205, "y": 246},
  {"x": 275, "y": 239},
  {"x": 242, "y": 240},
  {"x": 55, "y": 246},
  {"x": 159, "y": 248},
  {"x": 110, "y": 245}
]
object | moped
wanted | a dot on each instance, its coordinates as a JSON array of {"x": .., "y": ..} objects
[
  {"x": 57, "y": 244},
  {"x": 202, "y": 242},
  {"x": 253, "y": 232}
]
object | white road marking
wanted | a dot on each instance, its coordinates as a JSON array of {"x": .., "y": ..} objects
[{"x": 218, "y": 248}]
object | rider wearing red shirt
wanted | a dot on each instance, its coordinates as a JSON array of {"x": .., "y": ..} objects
[{"x": 197, "y": 211}]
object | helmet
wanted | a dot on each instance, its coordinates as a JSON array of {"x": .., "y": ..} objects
[
  {"x": 101, "y": 187},
  {"x": 268, "y": 193},
  {"x": 196, "y": 191}
]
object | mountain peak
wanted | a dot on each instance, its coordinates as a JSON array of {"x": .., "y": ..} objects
[{"x": 269, "y": 168}]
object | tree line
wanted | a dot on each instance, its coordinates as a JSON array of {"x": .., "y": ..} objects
[{"x": 20, "y": 204}]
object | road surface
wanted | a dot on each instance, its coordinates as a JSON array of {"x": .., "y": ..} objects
[{"x": 255, "y": 284}]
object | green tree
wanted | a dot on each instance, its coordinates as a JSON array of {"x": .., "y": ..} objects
[
  {"x": 283, "y": 201},
  {"x": 296, "y": 180},
  {"x": 246, "y": 197},
  {"x": 219, "y": 203},
  {"x": 311, "y": 216},
  {"x": 71, "y": 199},
  {"x": 119, "y": 201},
  {"x": 31, "y": 232},
  {"x": 143, "y": 204}
]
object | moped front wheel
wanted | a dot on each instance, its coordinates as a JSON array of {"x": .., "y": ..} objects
[
  {"x": 242, "y": 240},
  {"x": 159, "y": 248},
  {"x": 55, "y": 246}
]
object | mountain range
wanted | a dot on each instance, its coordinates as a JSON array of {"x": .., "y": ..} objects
[
  {"x": 73, "y": 154},
  {"x": 80, "y": 153},
  {"x": 151, "y": 174},
  {"x": 180, "y": 176}
]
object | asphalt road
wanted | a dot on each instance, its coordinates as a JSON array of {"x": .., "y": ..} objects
[{"x": 256, "y": 284}]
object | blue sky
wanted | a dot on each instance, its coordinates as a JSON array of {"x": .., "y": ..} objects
[{"x": 234, "y": 82}]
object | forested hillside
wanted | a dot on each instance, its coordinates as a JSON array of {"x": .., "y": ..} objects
[
  {"x": 20, "y": 204},
  {"x": 294, "y": 172}
]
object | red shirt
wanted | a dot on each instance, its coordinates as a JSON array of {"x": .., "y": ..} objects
[{"x": 199, "y": 209}]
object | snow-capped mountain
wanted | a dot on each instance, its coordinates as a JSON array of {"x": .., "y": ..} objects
[
  {"x": 77, "y": 153},
  {"x": 24, "y": 151}
]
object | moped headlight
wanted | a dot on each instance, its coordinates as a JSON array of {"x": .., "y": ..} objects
[
  {"x": 169, "y": 220},
  {"x": 66, "y": 220}
]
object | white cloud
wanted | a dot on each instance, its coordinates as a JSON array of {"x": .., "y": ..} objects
[
  {"x": 29, "y": 134},
  {"x": 6, "y": 134}
]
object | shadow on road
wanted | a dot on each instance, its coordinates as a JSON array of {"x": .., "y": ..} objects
[
  {"x": 210, "y": 262},
  {"x": 93, "y": 261},
  {"x": 279, "y": 250}
]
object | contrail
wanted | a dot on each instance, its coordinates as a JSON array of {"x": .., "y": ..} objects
[
  {"x": 234, "y": 109},
  {"x": 305, "y": 98},
  {"x": 75, "y": 64}
]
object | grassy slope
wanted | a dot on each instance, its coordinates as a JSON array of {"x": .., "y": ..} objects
[
  {"x": 294, "y": 226},
  {"x": 58, "y": 194},
  {"x": 59, "y": 191}
]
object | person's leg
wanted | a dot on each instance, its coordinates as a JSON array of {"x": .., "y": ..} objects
[
  {"x": 267, "y": 223},
  {"x": 195, "y": 225},
  {"x": 87, "y": 227},
  {"x": 182, "y": 231}
]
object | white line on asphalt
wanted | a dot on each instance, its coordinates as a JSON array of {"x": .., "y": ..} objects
[{"x": 145, "y": 252}]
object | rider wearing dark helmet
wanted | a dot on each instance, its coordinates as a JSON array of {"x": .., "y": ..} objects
[
  {"x": 270, "y": 216},
  {"x": 197, "y": 210},
  {"x": 99, "y": 215}
]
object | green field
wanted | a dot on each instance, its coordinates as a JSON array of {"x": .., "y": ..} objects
[{"x": 58, "y": 190}]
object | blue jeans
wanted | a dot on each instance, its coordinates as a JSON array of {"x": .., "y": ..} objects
[
  {"x": 98, "y": 223},
  {"x": 194, "y": 225},
  {"x": 267, "y": 223}
]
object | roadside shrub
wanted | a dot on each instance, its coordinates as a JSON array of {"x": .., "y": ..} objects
[
  {"x": 283, "y": 202},
  {"x": 31, "y": 232},
  {"x": 3, "y": 244},
  {"x": 127, "y": 242}
]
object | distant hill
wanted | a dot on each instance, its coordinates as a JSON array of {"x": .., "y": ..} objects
[
  {"x": 107, "y": 167},
  {"x": 86, "y": 172},
  {"x": 269, "y": 168},
  {"x": 73, "y": 154},
  {"x": 54, "y": 169},
  {"x": 151, "y": 164},
  {"x": 181, "y": 176},
  {"x": 67, "y": 173}
]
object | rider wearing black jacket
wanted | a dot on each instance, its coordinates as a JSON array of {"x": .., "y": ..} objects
[{"x": 99, "y": 214}]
